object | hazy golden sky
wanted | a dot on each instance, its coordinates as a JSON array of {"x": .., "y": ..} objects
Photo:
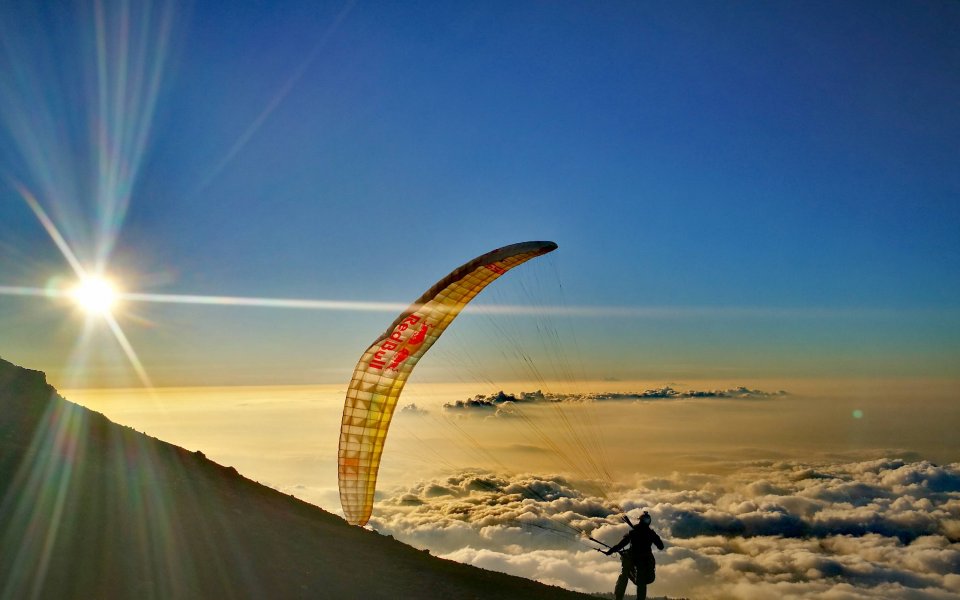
[{"x": 287, "y": 436}]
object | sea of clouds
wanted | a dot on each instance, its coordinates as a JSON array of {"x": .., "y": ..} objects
[{"x": 886, "y": 528}]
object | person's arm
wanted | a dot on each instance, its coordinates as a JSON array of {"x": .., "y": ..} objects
[
  {"x": 657, "y": 541},
  {"x": 619, "y": 546}
]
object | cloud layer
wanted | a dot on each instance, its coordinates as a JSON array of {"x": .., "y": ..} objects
[{"x": 875, "y": 529}]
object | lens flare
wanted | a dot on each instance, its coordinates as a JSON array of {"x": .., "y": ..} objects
[{"x": 95, "y": 295}]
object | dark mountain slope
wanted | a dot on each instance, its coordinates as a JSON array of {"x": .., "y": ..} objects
[{"x": 91, "y": 509}]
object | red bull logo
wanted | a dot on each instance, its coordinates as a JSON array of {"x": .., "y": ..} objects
[{"x": 402, "y": 348}]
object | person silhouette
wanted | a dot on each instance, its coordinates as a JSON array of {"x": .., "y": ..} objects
[{"x": 638, "y": 564}]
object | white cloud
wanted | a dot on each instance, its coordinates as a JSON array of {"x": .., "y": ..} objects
[{"x": 875, "y": 529}]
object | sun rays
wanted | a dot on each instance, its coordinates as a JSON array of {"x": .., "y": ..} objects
[
  {"x": 95, "y": 295},
  {"x": 80, "y": 161},
  {"x": 77, "y": 104},
  {"x": 80, "y": 166}
]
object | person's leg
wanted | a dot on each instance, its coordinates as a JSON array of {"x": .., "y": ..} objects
[
  {"x": 645, "y": 575},
  {"x": 621, "y": 585}
]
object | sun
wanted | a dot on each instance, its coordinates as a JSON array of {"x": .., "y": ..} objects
[{"x": 95, "y": 295}]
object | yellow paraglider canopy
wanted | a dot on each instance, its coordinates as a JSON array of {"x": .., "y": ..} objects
[{"x": 383, "y": 369}]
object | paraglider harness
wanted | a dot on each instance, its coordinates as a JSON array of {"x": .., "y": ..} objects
[{"x": 630, "y": 566}]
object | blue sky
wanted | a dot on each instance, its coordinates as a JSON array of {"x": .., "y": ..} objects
[{"x": 782, "y": 176}]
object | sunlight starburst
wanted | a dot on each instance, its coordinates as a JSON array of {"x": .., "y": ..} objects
[{"x": 95, "y": 295}]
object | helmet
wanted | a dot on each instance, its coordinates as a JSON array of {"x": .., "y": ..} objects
[{"x": 645, "y": 518}]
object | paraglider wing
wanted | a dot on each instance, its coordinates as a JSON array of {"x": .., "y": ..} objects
[{"x": 383, "y": 369}]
